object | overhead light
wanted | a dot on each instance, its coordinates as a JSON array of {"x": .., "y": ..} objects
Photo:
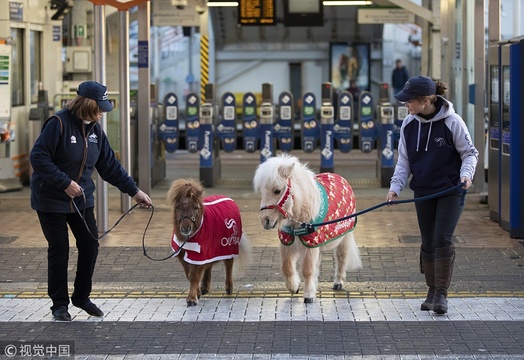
[
  {"x": 347, "y": 3},
  {"x": 222, "y": 3}
]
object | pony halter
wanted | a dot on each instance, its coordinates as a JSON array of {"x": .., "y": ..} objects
[{"x": 279, "y": 205}]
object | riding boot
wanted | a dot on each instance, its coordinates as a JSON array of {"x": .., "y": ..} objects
[
  {"x": 427, "y": 267},
  {"x": 444, "y": 260}
]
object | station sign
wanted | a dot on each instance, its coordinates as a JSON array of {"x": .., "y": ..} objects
[{"x": 385, "y": 16}]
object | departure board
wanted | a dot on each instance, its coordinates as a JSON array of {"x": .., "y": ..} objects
[{"x": 256, "y": 12}]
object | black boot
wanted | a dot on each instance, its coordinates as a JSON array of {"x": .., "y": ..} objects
[
  {"x": 444, "y": 260},
  {"x": 427, "y": 267}
]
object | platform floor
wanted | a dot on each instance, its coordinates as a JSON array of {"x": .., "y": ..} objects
[{"x": 376, "y": 316}]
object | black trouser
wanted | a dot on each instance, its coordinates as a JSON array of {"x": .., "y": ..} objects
[
  {"x": 54, "y": 227},
  {"x": 437, "y": 220}
]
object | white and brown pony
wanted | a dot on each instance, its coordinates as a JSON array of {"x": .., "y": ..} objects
[
  {"x": 292, "y": 195},
  {"x": 206, "y": 230}
]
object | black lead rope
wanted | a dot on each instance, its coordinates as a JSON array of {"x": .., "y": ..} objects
[
  {"x": 82, "y": 216},
  {"x": 307, "y": 228},
  {"x": 98, "y": 238}
]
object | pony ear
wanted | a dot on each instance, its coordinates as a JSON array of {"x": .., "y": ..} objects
[
  {"x": 199, "y": 193},
  {"x": 285, "y": 171}
]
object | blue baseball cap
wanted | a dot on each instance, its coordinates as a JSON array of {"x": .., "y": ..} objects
[
  {"x": 95, "y": 91},
  {"x": 415, "y": 87}
]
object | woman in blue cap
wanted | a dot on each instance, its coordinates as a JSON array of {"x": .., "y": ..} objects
[
  {"x": 436, "y": 150},
  {"x": 71, "y": 146}
]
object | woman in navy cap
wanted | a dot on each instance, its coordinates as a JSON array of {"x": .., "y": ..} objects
[
  {"x": 436, "y": 150},
  {"x": 71, "y": 146}
]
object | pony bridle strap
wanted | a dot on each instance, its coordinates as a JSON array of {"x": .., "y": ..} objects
[{"x": 280, "y": 204}]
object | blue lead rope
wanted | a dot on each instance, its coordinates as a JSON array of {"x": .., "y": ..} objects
[{"x": 308, "y": 228}]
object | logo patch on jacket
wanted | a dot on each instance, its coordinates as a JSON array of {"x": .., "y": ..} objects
[
  {"x": 93, "y": 139},
  {"x": 73, "y": 139}
]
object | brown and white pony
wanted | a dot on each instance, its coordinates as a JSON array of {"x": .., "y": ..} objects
[{"x": 206, "y": 230}]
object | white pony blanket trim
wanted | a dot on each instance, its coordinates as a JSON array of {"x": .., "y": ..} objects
[{"x": 218, "y": 237}]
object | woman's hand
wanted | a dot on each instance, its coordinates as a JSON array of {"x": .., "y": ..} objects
[
  {"x": 143, "y": 199},
  {"x": 391, "y": 196},
  {"x": 467, "y": 182},
  {"x": 73, "y": 190}
]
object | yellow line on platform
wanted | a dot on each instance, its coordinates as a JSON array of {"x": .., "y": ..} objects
[{"x": 268, "y": 294}]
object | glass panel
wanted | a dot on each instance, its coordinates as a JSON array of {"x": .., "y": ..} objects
[
  {"x": 35, "y": 59},
  {"x": 17, "y": 63}
]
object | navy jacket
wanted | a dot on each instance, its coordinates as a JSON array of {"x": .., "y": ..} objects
[
  {"x": 68, "y": 149},
  {"x": 434, "y": 153}
]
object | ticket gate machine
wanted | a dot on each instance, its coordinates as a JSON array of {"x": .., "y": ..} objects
[
  {"x": 284, "y": 126},
  {"x": 343, "y": 127},
  {"x": 251, "y": 125},
  {"x": 367, "y": 128},
  {"x": 192, "y": 122},
  {"x": 309, "y": 129},
  {"x": 402, "y": 112},
  {"x": 209, "y": 151},
  {"x": 168, "y": 129},
  {"x": 327, "y": 120},
  {"x": 387, "y": 143},
  {"x": 226, "y": 128},
  {"x": 267, "y": 120}
]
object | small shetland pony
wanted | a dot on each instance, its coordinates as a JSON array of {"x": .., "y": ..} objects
[
  {"x": 206, "y": 230},
  {"x": 292, "y": 194}
]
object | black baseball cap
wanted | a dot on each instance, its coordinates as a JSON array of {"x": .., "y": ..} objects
[
  {"x": 95, "y": 91},
  {"x": 415, "y": 87}
]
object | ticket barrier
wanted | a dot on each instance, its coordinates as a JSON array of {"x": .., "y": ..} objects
[
  {"x": 283, "y": 128},
  {"x": 367, "y": 128},
  {"x": 343, "y": 125},
  {"x": 209, "y": 151},
  {"x": 251, "y": 125},
  {"x": 401, "y": 113},
  {"x": 192, "y": 122},
  {"x": 327, "y": 120},
  {"x": 387, "y": 143},
  {"x": 267, "y": 120},
  {"x": 310, "y": 129},
  {"x": 168, "y": 129},
  {"x": 226, "y": 128}
]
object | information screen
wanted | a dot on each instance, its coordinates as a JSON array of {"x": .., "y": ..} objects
[{"x": 256, "y": 12}]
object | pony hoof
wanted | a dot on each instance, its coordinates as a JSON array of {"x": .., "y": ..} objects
[
  {"x": 191, "y": 303},
  {"x": 308, "y": 300},
  {"x": 337, "y": 286},
  {"x": 229, "y": 291},
  {"x": 204, "y": 292}
]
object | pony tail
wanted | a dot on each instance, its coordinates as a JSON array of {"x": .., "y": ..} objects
[{"x": 244, "y": 255}]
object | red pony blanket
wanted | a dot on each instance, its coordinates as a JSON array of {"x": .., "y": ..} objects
[
  {"x": 337, "y": 201},
  {"x": 218, "y": 236}
]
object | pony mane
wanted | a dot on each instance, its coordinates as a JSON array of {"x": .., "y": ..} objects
[
  {"x": 274, "y": 172},
  {"x": 185, "y": 188}
]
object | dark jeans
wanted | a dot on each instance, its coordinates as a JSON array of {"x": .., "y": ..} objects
[
  {"x": 54, "y": 227},
  {"x": 437, "y": 220}
]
